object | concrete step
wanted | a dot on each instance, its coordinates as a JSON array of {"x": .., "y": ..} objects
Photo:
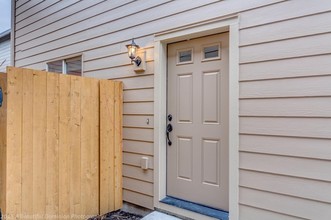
[{"x": 159, "y": 216}]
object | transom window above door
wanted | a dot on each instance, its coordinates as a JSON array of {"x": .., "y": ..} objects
[{"x": 71, "y": 66}]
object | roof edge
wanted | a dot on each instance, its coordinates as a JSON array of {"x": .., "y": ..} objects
[{"x": 5, "y": 35}]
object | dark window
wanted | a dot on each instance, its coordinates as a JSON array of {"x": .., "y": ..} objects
[
  {"x": 56, "y": 66},
  {"x": 211, "y": 52},
  {"x": 184, "y": 56},
  {"x": 72, "y": 66}
]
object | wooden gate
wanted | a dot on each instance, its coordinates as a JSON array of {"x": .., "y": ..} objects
[{"x": 60, "y": 145}]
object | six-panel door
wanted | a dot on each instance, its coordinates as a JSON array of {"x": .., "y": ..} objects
[{"x": 197, "y": 160}]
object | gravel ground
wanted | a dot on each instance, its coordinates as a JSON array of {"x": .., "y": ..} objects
[{"x": 119, "y": 215}]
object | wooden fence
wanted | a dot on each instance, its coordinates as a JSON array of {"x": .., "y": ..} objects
[{"x": 60, "y": 145}]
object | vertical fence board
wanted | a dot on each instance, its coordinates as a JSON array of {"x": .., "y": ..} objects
[
  {"x": 86, "y": 129},
  {"x": 89, "y": 151},
  {"x": 52, "y": 152},
  {"x": 107, "y": 115},
  {"x": 75, "y": 147},
  {"x": 64, "y": 145},
  {"x": 27, "y": 144},
  {"x": 3, "y": 143},
  {"x": 14, "y": 139},
  {"x": 118, "y": 144},
  {"x": 95, "y": 143},
  {"x": 39, "y": 143}
]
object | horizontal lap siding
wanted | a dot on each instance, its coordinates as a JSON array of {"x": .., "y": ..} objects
[
  {"x": 300, "y": 47},
  {"x": 296, "y": 107},
  {"x": 4, "y": 55},
  {"x": 280, "y": 203},
  {"x": 287, "y": 185},
  {"x": 20, "y": 3},
  {"x": 39, "y": 28},
  {"x": 285, "y": 111},
  {"x": 253, "y": 213},
  {"x": 99, "y": 35},
  {"x": 163, "y": 17},
  {"x": 30, "y": 11},
  {"x": 287, "y": 68}
]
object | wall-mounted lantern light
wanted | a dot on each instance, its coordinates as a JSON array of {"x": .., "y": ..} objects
[
  {"x": 138, "y": 61},
  {"x": 132, "y": 52}
]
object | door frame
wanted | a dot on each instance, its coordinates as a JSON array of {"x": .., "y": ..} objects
[{"x": 161, "y": 40}]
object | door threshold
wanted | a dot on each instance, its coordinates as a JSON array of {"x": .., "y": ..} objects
[{"x": 193, "y": 207}]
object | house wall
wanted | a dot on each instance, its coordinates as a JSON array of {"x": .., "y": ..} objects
[
  {"x": 285, "y": 92},
  {"x": 285, "y": 117},
  {"x": 4, "y": 54}
]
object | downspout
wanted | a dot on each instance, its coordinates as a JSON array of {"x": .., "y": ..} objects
[{"x": 12, "y": 34}]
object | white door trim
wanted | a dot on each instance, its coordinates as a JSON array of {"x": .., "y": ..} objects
[{"x": 205, "y": 28}]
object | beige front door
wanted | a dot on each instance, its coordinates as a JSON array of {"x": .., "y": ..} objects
[{"x": 198, "y": 97}]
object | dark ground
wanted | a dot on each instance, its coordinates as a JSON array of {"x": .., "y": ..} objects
[{"x": 118, "y": 215}]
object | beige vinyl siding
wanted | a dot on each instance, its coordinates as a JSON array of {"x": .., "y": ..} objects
[
  {"x": 282, "y": 12},
  {"x": 138, "y": 121},
  {"x": 146, "y": 148},
  {"x": 285, "y": 111},
  {"x": 275, "y": 183},
  {"x": 300, "y": 47},
  {"x": 45, "y": 8},
  {"x": 147, "y": 188},
  {"x": 20, "y": 3},
  {"x": 298, "y": 207},
  {"x": 286, "y": 68},
  {"x": 285, "y": 93},
  {"x": 135, "y": 24},
  {"x": 4, "y": 55},
  {"x": 252, "y": 213}
]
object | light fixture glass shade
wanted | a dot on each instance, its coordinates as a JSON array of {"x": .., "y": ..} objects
[{"x": 132, "y": 52}]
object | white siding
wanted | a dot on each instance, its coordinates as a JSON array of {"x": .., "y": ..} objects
[
  {"x": 4, "y": 55},
  {"x": 285, "y": 111},
  {"x": 285, "y": 92}
]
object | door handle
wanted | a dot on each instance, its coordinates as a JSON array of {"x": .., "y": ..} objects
[{"x": 169, "y": 129}]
